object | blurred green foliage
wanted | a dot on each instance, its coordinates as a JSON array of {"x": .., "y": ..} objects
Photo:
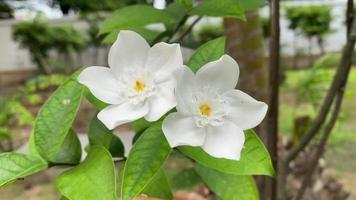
[
  {"x": 5, "y": 10},
  {"x": 39, "y": 39},
  {"x": 209, "y": 32},
  {"x": 14, "y": 108},
  {"x": 265, "y": 23},
  {"x": 310, "y": 20}
]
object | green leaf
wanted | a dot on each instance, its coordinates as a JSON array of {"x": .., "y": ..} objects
[
  {"x": 255, "y": 159},
  {"x": 187, "y": 4},
  {"x": 131, "y": 17},
  {"x": 148, "y": 34},
  {"x": 94, "y": 179},
  {"x": 100, "y": 135},
  {"x": 146, "y": 157},
  {"x": 32, "y": 147},
  {"x": 54, "y": 139},
  {"x": 219, "y": 8},
  {"x": 93, "y": 100},
  {"x": 140, "y": 125},
  {"x": 227, "y": 186},
  {"x": 159, "y": 187},
  {"x": 186, "y": 179},
  {"x": 14, "y": 166},
  {"x": 178, "y": 11},
  {"x": 252, "y": 4},
  {"x": 208, "y": 52}
]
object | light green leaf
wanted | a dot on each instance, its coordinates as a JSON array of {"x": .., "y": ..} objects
[
  {"x": 252, "y": 4},
  {"x": 227, "y": 186},
  {"x": 146, "y": 157},
  {"x": 148, "y": 34},
  {"x": 255, "y": 159},
  {"x": 32, "y": 147},
  {"x": 94, "y": 179},
  {"x": 93, "y": 100},
  {"x": 131, "y": 16},
  {"x": 219, "y": 8},
  {"x": 54, "y": 140},
  {"x": 208, "y": 52},
  {"x": 100, "y": 135},
  {"x": 14, "y": 166},
  {"x": 159, "y": 187}
]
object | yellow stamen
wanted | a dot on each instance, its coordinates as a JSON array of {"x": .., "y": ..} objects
[
  {"x": 205, "y": 109},
  {"x": 139, "y": 86}
]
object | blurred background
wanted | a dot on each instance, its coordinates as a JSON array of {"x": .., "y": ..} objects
[{"x": 42, "y": 41}]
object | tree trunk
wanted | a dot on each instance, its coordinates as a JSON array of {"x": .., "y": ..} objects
[{"x": 245, "y": 44}]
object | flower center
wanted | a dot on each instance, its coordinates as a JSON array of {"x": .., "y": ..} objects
[
  {"x": 136, "y": 84},
  {"x": 208, "y": 107},
  {"x": 205, "y": 109},
  {"x": 139, "y": 86}
]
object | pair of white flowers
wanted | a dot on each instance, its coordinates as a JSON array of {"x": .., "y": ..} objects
[{"x": 145, "y": 81}]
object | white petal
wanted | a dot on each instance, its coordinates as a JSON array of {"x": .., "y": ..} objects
[
  {"x": 163, "y": 59},
  {"x": 115, "y": 115},
  {"x": 181, "y": 130},
  {"x": 162, "y": 101},
  {"x": 184, "y": 90},
  {"x": 244, "y": 111},
  {"x": 129, "y": 50},
  {"x": 225, "y": 141},
  {"x": 222, "y": 74},
  {"x": 102, "y": 83}
]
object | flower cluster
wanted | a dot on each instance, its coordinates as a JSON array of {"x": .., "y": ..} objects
[{"x": 145, "y": 81}]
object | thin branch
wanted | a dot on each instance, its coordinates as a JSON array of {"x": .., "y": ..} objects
[
  {"x": 274, "y": 65},
  {"x": 190, "y": 28},
  {"x": 180, "y": 24},
  {"x": 321, "y": 147}
]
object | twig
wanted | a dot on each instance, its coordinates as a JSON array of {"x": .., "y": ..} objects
[
  {"x": 274, "y": 64},
  {"x": 180, "y": 24},
  {"x": 186, "y": 32}
]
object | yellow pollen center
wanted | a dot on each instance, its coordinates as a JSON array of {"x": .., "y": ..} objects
[
  {"x": 205, "y": 109},
  {"x": 139, "y": 86}
]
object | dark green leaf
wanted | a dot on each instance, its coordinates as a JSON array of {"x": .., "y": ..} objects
[
  {"x": 14, "y": 166},
  {"x": 148, "y": 34},
  {"x": 159, "y": 187},
  {"x": 146, "y": 157},
  {"x": 227, "y": 186},
  {"x": 54, "y": 140},
  {"x": 208, "y": 52},
  {"x": 178, "y": 11},
  {"x": 100, "y": 135},
  {"x": 185, "y": 179},
  {"x": 94, "y": 179},
  {"x": 255, "y": 159},
  {"x": 132, "y": 17},
  {"x": 219, "y": 8}
]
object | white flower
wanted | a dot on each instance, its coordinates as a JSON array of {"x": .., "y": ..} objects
[
  {"x": 211, "y": 113},
  {"x": 139, "y": 82}
]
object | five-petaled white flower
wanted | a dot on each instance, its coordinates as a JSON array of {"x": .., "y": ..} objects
[
  {"x": 139, "y": 82},
  {"x": 211, "y": 113}
]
